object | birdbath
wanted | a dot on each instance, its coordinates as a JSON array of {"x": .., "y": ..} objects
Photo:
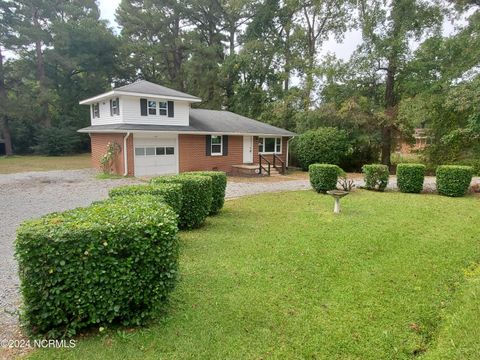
[{"x": 337, "y": 194}]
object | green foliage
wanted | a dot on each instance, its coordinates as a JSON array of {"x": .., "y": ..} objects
[
  {"x": 219, "y": 184},
  {"x": 375, "y": 176},
  {"x": 107, "y": 159},
  {"x": 323, "y": 145},
  {"x": 56, "y": 141},
  {"x": 196, "y": 198},
  {"x": 453, "y": 180},
  {"x": 114, "y": 261},
  {"x": 171, "y": 194},
  {"x": 410, "y": 177},
  {"x": 323, "y": 177}
]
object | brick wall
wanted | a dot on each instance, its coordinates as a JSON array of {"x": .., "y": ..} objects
[
  {"x": 99, "y": 147},
  {"x": 192, "y": 154}
]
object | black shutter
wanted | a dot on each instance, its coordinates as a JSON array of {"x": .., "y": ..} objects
[
  {"x": 111, "y": 107},
  {"x": 118, "y": 106},
  {"x": 225, "y": 145},
  {"x": 143, "y": 107},
  {"x": 208, "y": 143},
  {"x": 170, "y": 109},
  {"x": 93, "y": 110}
]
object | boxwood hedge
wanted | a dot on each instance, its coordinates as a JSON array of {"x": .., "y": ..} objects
[
  {"x": 112, "y": 262},
  {"x": 196, "y": 198},
  {"x": 323, "y": 177},
  {"x": 453, "y": 180},
  {"x": 219, "y": 184},
  {"x": 375, "y": 176},
  {"x": 169, "y": 193},
  {"x": 410, "y": 177}
]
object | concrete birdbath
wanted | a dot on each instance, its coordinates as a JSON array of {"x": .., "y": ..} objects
[{"x": 337, "y": 195}]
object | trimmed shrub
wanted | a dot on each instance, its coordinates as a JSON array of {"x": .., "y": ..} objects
[
  {"x": 171, "y": 194},
  {"x": 410, "y": 177},
  {"x": 219, "y": 184},
  {"x": 196, "y": 198},
  {"x": 112, "y": 262},
  {"x": 453, "y": 180},
  {"x": 375, "y": 176},
  {"x": 323, "y": 145},
  {"x": 323, "y": 177}
]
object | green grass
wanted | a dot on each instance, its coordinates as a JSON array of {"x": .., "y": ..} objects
[
  {"x": 280, "y": 276},
  {"x": 103, "y": 176},
  {"x": 16, "y": 164}
]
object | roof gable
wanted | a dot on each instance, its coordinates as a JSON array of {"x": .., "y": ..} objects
[{"x": 147, "y": 87}]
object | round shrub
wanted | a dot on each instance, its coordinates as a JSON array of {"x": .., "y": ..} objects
[
  {"x": 453, "y": 180},
  {"x": 324, "y": 145},
  {"x": 323, "y": 177},
  {"x": 196, "y": 198},
  {"x": 410, "y": 177},
  {"x": 375, "y": 176},
  {"x": 112, "y": 262},
  {"x": 219, "y": 184},
  {"x": 171, "y": 194}
]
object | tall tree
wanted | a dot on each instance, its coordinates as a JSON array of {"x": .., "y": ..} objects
[{"x": 387, "y": 32}]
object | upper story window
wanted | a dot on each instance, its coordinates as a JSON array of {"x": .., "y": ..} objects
[
  {"x": 96, "y": 110},
  {"x": 216, "y": 145},
  {"x": 114, "y": 107},
  {"x": 270, "y": 145},
  {"x": 152, "y": 107},
  {"x": 149, "y": 107},
  {"x": 162, "y": 108}
]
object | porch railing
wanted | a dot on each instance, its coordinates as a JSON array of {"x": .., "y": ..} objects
[
  {"x": 280, "y": 168},
  {"x": 261, "y": 167}
]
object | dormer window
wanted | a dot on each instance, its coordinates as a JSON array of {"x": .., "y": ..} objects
[{"x": 152, "y": 107}]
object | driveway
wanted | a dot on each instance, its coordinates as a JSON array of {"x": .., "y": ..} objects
[{"x": 30, "y": 195}]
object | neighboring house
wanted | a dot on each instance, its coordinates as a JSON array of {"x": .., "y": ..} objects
[
  {"x": 158, "y": 133},
  {"x": 420, "y": 142}
]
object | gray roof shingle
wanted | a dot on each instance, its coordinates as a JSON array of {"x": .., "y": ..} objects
[
  {"x": 203, "y": 121},
  {"x": 147, "y": 87}
]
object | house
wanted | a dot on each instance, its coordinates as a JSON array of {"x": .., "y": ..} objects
[
  {"x": 158, "y": 132},
  {"x": 405, "y": 146}
]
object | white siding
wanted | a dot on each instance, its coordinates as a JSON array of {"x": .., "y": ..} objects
[
  {"x": 105, "y": 117},
  {"x": 130, "y": 113}
]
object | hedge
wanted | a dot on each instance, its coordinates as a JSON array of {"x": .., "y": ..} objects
[
  {"x": 453, "y": 180},
  {"x": 196, "y": 198},
  {"x": 113, "y": 262},
  {"x": 323, "y": 177},
  {"x": 169, "y": 193},
  {"x": 410, "y": 177},
  {"x": 323, "y": 145},
  {"x": 219, "y": 185},
  {"x": 375, "y": 176}
]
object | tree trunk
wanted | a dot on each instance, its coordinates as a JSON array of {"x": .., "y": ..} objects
[
  {"x": 5, "y": 129},
  {"x": 287, "y": 68},
  {"x": 389, "y": 112},
  {"x": 41, "y": 78}
]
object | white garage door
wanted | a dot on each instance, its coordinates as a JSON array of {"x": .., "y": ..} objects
[{"x": 155, "y": 155}]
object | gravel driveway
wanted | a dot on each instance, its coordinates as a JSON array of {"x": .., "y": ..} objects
[{"x": 30, "y": 195}]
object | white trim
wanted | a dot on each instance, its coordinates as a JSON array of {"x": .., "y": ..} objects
[
  {"x": 275, "y": 146},
  {"x": 125, "y": 151},
  {"x": 221, "y": 146},
  {"x": 112, "y": 93},
  {"x": 120, "y": 131}
]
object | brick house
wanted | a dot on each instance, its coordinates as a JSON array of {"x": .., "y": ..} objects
[{"x": 157, "y": 132}]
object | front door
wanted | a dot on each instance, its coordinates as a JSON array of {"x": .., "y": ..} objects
[{"x": 248, "y": 149}]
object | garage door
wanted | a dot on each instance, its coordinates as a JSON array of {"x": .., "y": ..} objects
[{"x": 155, "y": 155}]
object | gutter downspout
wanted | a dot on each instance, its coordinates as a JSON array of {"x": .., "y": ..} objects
[
  {"x": 288, "y": 149},
  {"x": 125, "y": 159}
]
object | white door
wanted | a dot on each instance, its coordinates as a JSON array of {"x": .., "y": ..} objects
[
  {"x": 248, "y": 149},
  {"x": 155, "y": 155}
]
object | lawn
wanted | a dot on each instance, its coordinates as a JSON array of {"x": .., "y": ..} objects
[
  {"x": 15, "y": 164},
  {"x": 280, "y": 276}
]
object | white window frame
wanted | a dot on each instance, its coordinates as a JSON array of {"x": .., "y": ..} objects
[
  {"x": 95, "y": 107},
  {"x": 261, "y": 143},
  {"x": 221, "y": 145},
  {"x": 115, "y": 107},
  {"x": 151, "y": 107},
  {"x": 144, "y": 147},
  {"x": 165, "y": 108}
]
